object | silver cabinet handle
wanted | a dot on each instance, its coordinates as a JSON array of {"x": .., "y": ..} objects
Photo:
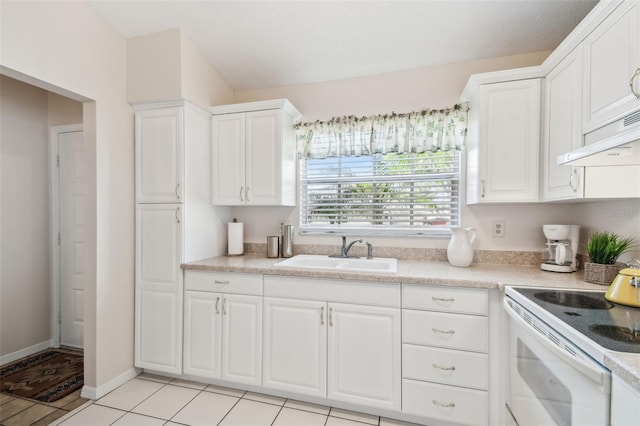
[
  {"x": 221, "y": 282},
  {"x": 482, "y": 188},
  {"x": 444, "y": 404},
  {"x": 246, "y": 194},
  {"x": 574, "y": 173},
  {"x": 224, "y": 306},
  {"x": 177, "y": 189},
  {"x": 217, "y": 303},
  {"x": 443, "y": 299},
  {"x": 321, "y": 315},
  {"x": 633, "y": 77},
  {"x": 437, "y": 330},
  {"x": 439, "y": 367},
  {"x": 241, "y": 189},
  {"x": 177, "y": 214},
  {"x": 330, "y": 317}
]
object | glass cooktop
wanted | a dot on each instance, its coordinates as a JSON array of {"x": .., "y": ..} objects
[{"x": 612, "y": 326}]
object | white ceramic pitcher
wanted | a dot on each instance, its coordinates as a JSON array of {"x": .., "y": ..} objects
[{"x": 460, "y": 251}]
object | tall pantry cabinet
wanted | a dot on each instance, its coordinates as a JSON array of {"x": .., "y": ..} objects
[{"x": 175, "y": 223}]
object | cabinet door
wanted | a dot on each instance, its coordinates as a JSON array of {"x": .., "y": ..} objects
[
  {"x": 158, "y": 313},
  {"x": 159, "y": 144},
  {"x": 228, "y": 159},
  {"x": 364, "y": 355},
  {"x": 242, "y": 339},
  {"x": 625, "y": 403},
  {"x": 509, "y": 141},
  {"x": 263, "y": 157},
  {"x": 563, "y": 129},
  {"x": 611, "y": 57},
  {"x": 202, "y": 334},
  {"x": 295, "y": 346}
]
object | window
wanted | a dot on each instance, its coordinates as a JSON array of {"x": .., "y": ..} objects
[{"x": 391, "y": 194}]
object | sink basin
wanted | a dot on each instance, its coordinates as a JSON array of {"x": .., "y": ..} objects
[{"x": 377, "y": 265}]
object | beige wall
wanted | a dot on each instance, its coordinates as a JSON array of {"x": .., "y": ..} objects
[
  {"x": 68, "y": 49},
  {"x": 63, "y": 110},
  {"x": 166, "y": 66},
  {"x": 25, "y": 290}
]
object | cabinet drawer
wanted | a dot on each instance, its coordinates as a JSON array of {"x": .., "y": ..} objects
[
  {"x": 455, "y": 331},
  {"x": 445, "y": 366},
  {"x": 446, "y": 299},
  {"x": 223, "y": 282},
  {"x": 455, "y": 405}
]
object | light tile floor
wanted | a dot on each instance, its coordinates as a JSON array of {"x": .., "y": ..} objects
[{"x": 156, "y": 400}]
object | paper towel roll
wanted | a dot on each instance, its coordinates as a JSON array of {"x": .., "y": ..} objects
[{"x": 236, "y": 238}]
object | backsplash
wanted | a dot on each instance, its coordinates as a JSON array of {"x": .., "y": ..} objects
[{"x": 487, "y": 257}]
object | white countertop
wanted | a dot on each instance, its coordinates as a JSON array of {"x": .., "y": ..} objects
[{"x": 625, "y": 365}]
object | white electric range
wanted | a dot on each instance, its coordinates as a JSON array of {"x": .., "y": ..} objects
[{"x": 557, "y": 343}]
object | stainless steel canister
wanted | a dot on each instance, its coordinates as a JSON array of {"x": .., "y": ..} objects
[
  {"x": 287, "y": 241},
  {"x": 273, "y": 246}
]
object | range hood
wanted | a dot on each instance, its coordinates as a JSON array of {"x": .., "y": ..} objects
[{"x": 615, "y": 144}]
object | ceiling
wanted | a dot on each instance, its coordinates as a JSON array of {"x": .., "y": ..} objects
[{"x": 267, "y": 43}]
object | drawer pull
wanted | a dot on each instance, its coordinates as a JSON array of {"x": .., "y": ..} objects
[
  {"x": 443, "y": 299},
  {"x": 221, "y": 282},
  {"x": 322, "y": 315},
  {"x": 217, "y": 305},
  {"x": 452, "y": 368},
  {"x": 443, "y": 404},
  {"x": 437, "y": 330},
  {"x": 330, "y": 317},
  {"x": 224, "y": 306}
]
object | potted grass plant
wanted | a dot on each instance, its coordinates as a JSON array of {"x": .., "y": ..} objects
[{"x": 603, "y": 249}]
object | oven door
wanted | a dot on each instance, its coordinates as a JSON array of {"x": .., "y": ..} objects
[{"x": 551, "y": 380}]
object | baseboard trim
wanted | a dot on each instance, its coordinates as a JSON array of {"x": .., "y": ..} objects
[
  {"x": 13, "y": 356},
  {"x": 89, "y": 392}
]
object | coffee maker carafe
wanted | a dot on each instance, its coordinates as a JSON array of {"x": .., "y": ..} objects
[{"x": 562, "y": 248}]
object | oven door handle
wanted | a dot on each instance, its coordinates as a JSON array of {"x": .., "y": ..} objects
[{"x": 584, "y": 368}]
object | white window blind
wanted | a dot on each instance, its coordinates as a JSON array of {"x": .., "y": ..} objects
[{"x": 390, "y": 194}]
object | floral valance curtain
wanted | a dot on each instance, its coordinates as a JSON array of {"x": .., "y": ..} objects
[{"x": 414, "y": 132}]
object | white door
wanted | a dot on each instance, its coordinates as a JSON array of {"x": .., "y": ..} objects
[
  {"x": 364, "y": 355},
  {"x": 202, "y": 334},
  {"x": 227, "y": 151},
  {"x": 159, "y": 142},
  {"x": 510, "y": 129},
  {"x": 563, "y": 132},
  {"x": 295, "y": 346},
  {"x": 71, "y": 202},
  {"x": 158, "y": 311},
  {"x": 263, "y": 156},
  {"x": 242, "y": 339}
]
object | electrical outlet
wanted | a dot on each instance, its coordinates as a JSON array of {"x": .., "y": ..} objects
[{"x": 498, "y": 229}]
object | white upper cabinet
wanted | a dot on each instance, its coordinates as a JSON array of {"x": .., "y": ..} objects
[
  {"x": 611, "y": 60},
  {"x": 562, "y": 129},
  {"x": 159, "y": 149},
  {"x": 503, "y": 142},
  {"x": 253, "y": 154}
]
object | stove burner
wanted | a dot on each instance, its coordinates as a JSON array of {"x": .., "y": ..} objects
[
  {"x": 619, "y": 334},
  {"x": 574, "y": 300}
]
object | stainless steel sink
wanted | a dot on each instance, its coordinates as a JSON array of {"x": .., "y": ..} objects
[{"x": 377, "y": 265}]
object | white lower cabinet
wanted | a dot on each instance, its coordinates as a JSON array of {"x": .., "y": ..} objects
[
  {"x": 223, "y": 333},
  {"x": 364, "y": 355},
  {"x": 295, "y": 346},
  {"x": 445, "y": 354},
  {"x": 625, "y": 403},
  {"x": 347, "y": 352}
]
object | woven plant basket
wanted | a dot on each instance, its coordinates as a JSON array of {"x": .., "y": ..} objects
[{"x": 597, "y": 273}]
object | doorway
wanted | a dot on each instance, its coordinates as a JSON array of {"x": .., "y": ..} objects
[{"x": 68, "y": 238}]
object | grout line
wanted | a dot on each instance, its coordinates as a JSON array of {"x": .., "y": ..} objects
[
  {"x": 279, "y": 411},
  {"x": 230, "y": 410},
  {"x": 185, "y": 405}
]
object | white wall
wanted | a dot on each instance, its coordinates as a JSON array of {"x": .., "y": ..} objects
[
  {"x": 25, "y": 304},
  {"x": 167, "y": 66},
  {"x": 68, "y": 49}
]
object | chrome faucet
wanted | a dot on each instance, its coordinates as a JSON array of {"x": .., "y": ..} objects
[
  {"x": 344, "y": 250},
  {"x": 369, "y": 250}
]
